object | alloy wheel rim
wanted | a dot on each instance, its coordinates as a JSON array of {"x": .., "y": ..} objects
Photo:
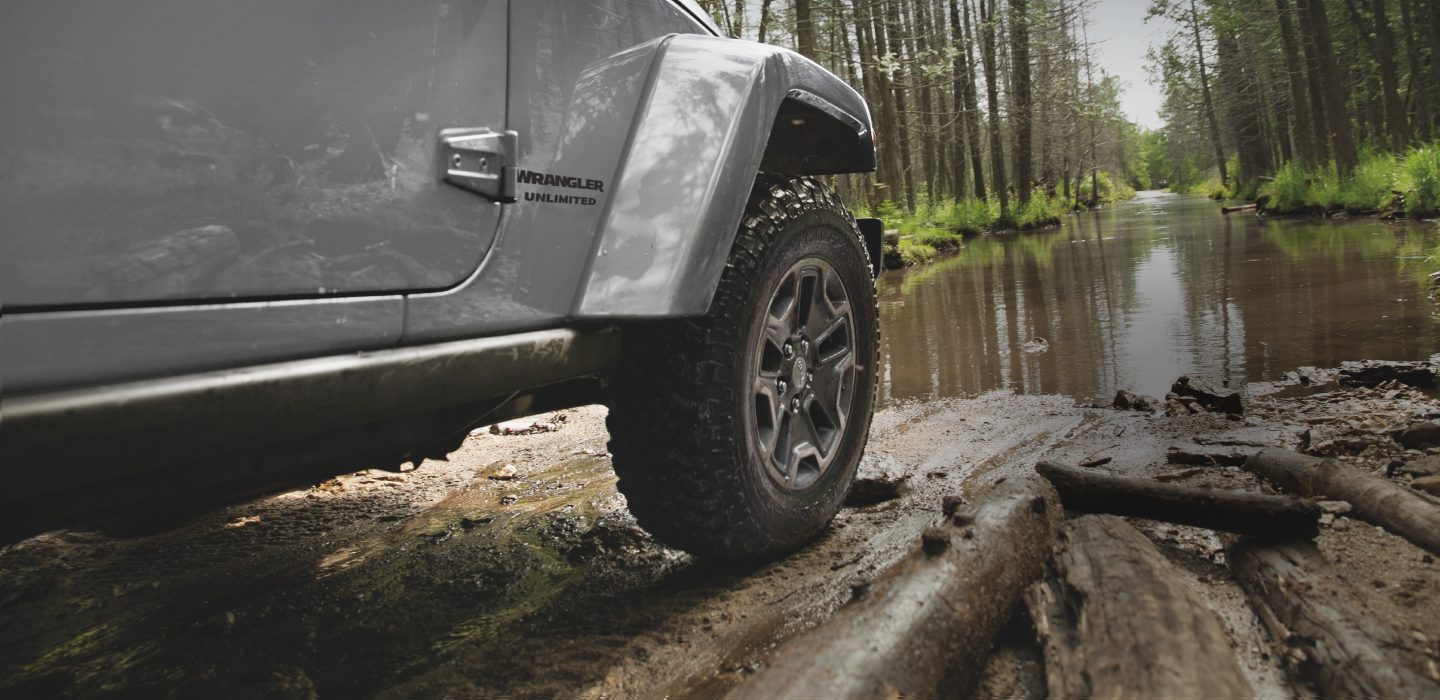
[{"x": 804, "y": 377}]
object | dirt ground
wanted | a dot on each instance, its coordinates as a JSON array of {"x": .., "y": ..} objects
[{"x": 453, "y": 581}]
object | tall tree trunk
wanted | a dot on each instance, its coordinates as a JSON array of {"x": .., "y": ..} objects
[
  {"x": 1302, "y": 134},
  {"x": 1390, "y": 128},
  {"x": 892, "y": 27},
  {"x": 1244, "y": 116},
  {"x": 916, "y": 44},
  {"x": 804, "y": 29},
  {"x": 871, "y": 85},
  {"x": 1207, "y": 101},
  {"x": 992, "y": 97},
  {"x": 962, "y": 108},
  {"x": 764, "y": 19},
  {"x": 1022, "y": 117},
  {"x": 1316, "y": 25},
  {"x": 891, "y": 145},
  {"x": 1319, "y": 118},
  {"x": 1395, "y": 118},
  {"x": 972, "y": 113},
  {"x": 1419, "y": 96},
  {"x": 1432, "y": 33}
]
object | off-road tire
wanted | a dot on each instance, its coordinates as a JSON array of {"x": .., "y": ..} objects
[{"x": 687, "y": 453}]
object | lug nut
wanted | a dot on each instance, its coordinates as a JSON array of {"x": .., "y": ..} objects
[
  {"x": 795, "y": 404},
  {"x": 788, "y": 351},
  {"x": 782, "y": 386},
  {"x": 805, "y": 347}
]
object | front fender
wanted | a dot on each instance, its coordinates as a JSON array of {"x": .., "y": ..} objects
[{"x": 699, "y": 139}]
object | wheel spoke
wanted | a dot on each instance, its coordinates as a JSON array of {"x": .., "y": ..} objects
[
  {"x": 833, "y": 343},
  {"x": 769, "y": 412}
]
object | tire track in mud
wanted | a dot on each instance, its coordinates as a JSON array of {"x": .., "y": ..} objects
[
  {"x": 442, "y": 582},
  {"x": 669, "y": 639}
]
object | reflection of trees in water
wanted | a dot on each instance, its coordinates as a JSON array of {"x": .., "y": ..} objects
[
  {"x": 1332, "y": 291},
  {"x": 964, "y": 319},
  {"x": 1122, "y": 296}
]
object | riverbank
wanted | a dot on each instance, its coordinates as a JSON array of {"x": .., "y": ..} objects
[
  {"x": 934, "y": 230},
  {"x": 1383, "y": 184}
]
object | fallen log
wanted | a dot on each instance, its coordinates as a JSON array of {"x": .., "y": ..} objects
[
  {"x": 1375, "y": 499},
  {"x": 928, "y": 622},
  {"x": 1238, "y": 207},
  {"x": 1343, "y": 651},
  {"x": 1098, "y": 615},
  {"x": 1231, "y": 511}
]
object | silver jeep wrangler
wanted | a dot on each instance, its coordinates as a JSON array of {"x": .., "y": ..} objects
[{"x": 245, "y": 244}]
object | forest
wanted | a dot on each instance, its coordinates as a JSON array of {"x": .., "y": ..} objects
[{"x": 996, "y": 113}]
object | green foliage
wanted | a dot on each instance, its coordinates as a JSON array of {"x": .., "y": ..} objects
[
  {"x": 1039, "y": 212},
  {"x": 1420, "y": 181},
  {"x": 915, "y": 253},
  {"x": 1371, "y": 188},
  {"x": 941, "y": 227},
  {"x": 1372, "y": 185},
  {"x": 1110, "y": 190},
  {"x": 1290, "y": 189},
  {"x": 1210, "y": 187},
  {"x": 968, "y": 216}
]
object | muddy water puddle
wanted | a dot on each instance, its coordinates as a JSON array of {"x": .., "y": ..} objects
[{"x": 1134, "y": 295}]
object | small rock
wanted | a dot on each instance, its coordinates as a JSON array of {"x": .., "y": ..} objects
[
  {"x": 1428, "y": 484},
  {"x": 1127, "y": 401},
  {"x": 1098, "y": 462},
  {"x": 934, "y": 540},
  {"x": 878, "y": 479},
  {"x": 507, "y": 500},
  {"x": 1213, "y": 399},
  {"x": 523, "y": 426},
  {"x": 1419, "y": 435},
  {"x": 950, "y": 504},
  {"x": 1427, "y": 465},
  {"x": 870, "y": 491},
  {"x": 503, "y": 473}
]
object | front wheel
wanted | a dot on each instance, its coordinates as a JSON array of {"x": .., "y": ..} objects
[{"x": 737, "y": 434}]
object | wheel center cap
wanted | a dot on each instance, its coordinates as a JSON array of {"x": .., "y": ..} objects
[{"x": 799, "y": 374}]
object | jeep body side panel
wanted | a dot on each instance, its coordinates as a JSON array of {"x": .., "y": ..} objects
[
  {"x": 578, "y": 75},
  {"x": 699, "y": 140},
  {"x": 84, "y": 305},
  {"x": 171, "y": 151}
]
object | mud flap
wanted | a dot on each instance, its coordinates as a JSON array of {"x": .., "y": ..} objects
[{"x": 874, "y": 232}]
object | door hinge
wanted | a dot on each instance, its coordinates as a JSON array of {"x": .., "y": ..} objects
[{"x": 481, "y": 161}]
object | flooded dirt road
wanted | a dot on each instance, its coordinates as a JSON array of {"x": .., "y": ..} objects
[
  {"x": 514, "y": 569},
  {"x": 1138, "y": 293}
]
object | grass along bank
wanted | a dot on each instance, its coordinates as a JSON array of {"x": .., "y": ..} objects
[
  {"x": 1383, "y": 184},
  {"x": 941, "y": 227}
]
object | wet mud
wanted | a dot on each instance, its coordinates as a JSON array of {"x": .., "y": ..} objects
[{"x": 514, "y": 570}]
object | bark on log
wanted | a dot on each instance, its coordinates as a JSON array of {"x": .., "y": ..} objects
[
  {"x": 1238, "y": 207},
  {"x": 1375, "y": 498},
  {"x": 1231, "y": 511},
  {"x": 1322, "y": 640},
  {"x": 1116, "y": 620},
  {"x": 929, "y": 621}
]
